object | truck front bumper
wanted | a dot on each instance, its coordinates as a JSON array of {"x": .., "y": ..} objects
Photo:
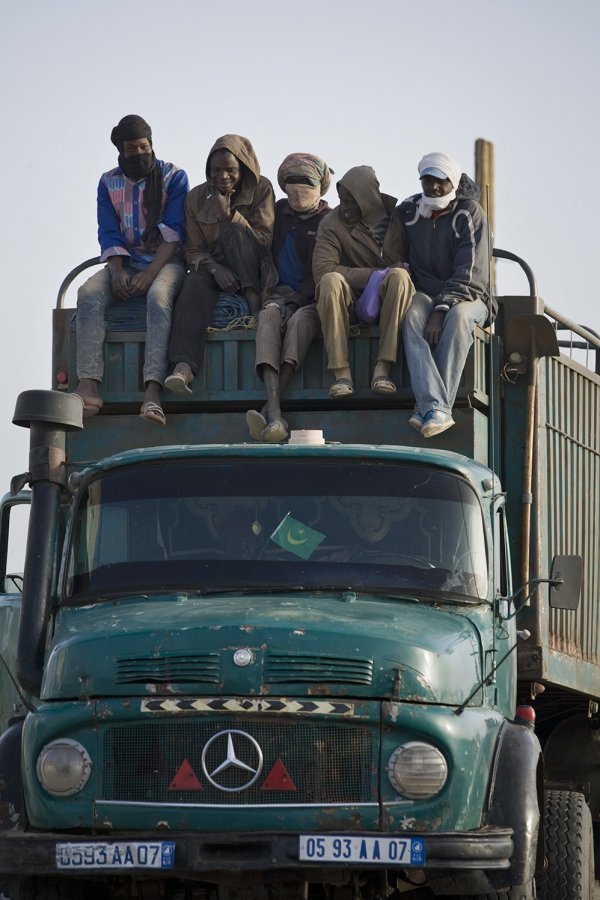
[{"x": 217, "y": 856}]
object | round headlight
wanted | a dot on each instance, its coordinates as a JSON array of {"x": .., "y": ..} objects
[
  {"x": 63, "y": 767},
  {"x": 417, "y": 770}
]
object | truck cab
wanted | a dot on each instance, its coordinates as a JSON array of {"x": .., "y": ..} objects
[{"x": 302, "y": 670}]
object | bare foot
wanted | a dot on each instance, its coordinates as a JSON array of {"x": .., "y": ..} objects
[{"x": 87, "y": 389}]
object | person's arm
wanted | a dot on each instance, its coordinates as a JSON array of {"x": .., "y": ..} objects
[
  {"x": 470, "y": 276},
  {"x": 260, "y": 218},
  {"x": 110, "y": 237},
  {"x": 172, "y": 229},
  {"x": 119, "y": 279},
  {"x": 471, "y": 271},
  {"x": 197, "y": 253},
  {"x": 327, "y": 257},
  {"x": 113, "y": 247},
  {"x": 141, "y": 282},
  {"x": 172, "y": 220}
]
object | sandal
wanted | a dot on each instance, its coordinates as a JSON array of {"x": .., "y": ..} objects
[
  {"x": 383, "y": 385},
  {"x": 275, "y": 432},
  {"x": 256, "y": 424},
  {"x": 152, "y": 412},
  {"x": 179, "y": 381},
  {"x": 91, "y": 405},
  {"x": 343, "y": 387}
]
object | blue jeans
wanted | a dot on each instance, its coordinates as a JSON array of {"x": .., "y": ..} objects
[
  {"x": 93, "y": 299},
  {"x": 435, "y": 375}
]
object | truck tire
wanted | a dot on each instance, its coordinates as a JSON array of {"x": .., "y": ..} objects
[{"x": 568, "y": 847}]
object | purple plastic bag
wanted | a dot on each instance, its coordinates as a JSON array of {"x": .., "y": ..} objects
[{"x": 368, "y": 305}]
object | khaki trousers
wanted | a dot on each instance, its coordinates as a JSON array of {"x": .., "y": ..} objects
[{"x": 335, "y": 304}]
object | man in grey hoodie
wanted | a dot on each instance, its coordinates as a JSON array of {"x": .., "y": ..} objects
[
  {"x": 360, "y": 237},
  {"x": 449, "y": 252}
]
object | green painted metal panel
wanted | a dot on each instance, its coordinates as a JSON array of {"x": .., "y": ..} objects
[{"x": 228, "y": 377}]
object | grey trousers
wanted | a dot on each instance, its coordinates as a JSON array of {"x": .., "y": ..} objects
[
  {"x": 93, "y": 299},
  {"x": 279, "y": 341}
]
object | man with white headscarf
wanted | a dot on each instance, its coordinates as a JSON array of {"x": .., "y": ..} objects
[{"x": 449, "y": 252}]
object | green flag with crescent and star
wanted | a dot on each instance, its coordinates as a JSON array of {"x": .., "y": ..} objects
[{"x": 299, "y": 539}]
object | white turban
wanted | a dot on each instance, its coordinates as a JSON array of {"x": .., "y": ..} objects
[{"x": 444, "y": 164}]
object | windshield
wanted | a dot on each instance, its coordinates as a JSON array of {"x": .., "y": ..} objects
[{"x": 290, "y": 524}]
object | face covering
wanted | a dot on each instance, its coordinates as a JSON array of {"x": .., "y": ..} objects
[
  {"x": 427, "y": 205},
  {"x": 137, "y": 167},
  {"x": 303, "y": 198}
]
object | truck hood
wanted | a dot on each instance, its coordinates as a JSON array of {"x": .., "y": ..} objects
[{"x": 322, "y": 645}]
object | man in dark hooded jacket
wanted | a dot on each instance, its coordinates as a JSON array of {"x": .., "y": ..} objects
[
  {"x": 289, "y": 321},
  {"x": 449, "y": 254},
  {"x": 229, "y": 227},
  {"x": 360, "y": 237}
]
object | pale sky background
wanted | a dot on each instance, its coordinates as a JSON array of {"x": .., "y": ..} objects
[{"x": 379, "y": 82}]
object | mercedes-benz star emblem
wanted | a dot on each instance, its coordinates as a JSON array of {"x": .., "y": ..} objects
[{"x": 232, "y": 760}]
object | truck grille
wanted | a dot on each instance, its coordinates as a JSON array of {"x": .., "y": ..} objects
[
  {"x": 198, "y": 669},
  {"x": 302, "y": 668},
  {"x": 303, "y": 762}
]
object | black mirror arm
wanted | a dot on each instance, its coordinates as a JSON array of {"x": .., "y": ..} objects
[{"x": 531, "y": 584}]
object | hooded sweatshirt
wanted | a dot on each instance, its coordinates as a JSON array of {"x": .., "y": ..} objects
[
  {"x": 354, "y": 251},
  {"x": 449, "y": 254},
  {"x": 253, "y": 206}
]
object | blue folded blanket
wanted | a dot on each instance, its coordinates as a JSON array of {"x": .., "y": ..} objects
[{"x": 130, "y": 315}]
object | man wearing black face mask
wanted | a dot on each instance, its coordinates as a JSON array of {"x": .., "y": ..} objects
[{"x": 140, "y": 229}]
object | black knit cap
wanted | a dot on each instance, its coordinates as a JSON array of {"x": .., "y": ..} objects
[{"x": 130, "y": 128}]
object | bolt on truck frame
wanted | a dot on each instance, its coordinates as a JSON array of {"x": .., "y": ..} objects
[{"x": 306, "y": 670}]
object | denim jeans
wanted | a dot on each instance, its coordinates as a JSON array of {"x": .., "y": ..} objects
[
  {"x": 93, "y": 299},
  {"x": 435, "y": 376}
]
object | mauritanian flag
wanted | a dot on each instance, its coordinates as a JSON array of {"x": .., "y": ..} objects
[{"x": 299, "y": 539}]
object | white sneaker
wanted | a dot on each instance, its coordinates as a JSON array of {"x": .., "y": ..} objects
[
  {"x": 416, "y": 420},
  {"x": 436, "y": 421}
]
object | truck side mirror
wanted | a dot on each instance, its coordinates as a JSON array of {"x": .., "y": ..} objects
[{"x": 565, "y": 582}]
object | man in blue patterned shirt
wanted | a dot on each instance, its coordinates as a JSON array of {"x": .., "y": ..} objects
[{"x": 141, "y": 230}]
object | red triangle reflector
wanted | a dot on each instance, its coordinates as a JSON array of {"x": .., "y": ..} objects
[
  {"x": 185, "y": 779},
  {"x": 278, "y": 779}
]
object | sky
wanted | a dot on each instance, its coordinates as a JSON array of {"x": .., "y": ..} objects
[{"x": 380, "y": 83}]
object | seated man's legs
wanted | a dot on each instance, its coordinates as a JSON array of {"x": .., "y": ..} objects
[
  {"x": 435, "y": 376},
  {"x": 159, "y": 307},
  {"x": 335, "y": 298},
  {"x": 427, "y": 384},
  {"x": 188, "y": 334},
  {"x": 396, "y": 293},
  {"x": 280, "y": 348},
  {"x": 269, "y": 340},
  {"x": 300, "y": 331},
  {"x": 93, "y": 298},
  {"x": 457, "y": 336},
  {"x": 269, "y": 337},
  {"x": 302, "y": 328}
]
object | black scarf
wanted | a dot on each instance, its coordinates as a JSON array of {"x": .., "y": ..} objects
[{"x": 134, "y": 128}]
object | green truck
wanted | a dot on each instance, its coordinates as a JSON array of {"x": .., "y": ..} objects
[{"x": 355, "y": 665}]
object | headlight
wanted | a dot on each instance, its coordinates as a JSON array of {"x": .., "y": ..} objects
[
  {"x": 417, "y": 770},
  {"x": 63, "y": 767}
]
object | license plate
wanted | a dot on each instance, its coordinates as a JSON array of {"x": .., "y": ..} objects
[
  {"x": 129, "y": 855},
  {"x": 361, "y": 849}
]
